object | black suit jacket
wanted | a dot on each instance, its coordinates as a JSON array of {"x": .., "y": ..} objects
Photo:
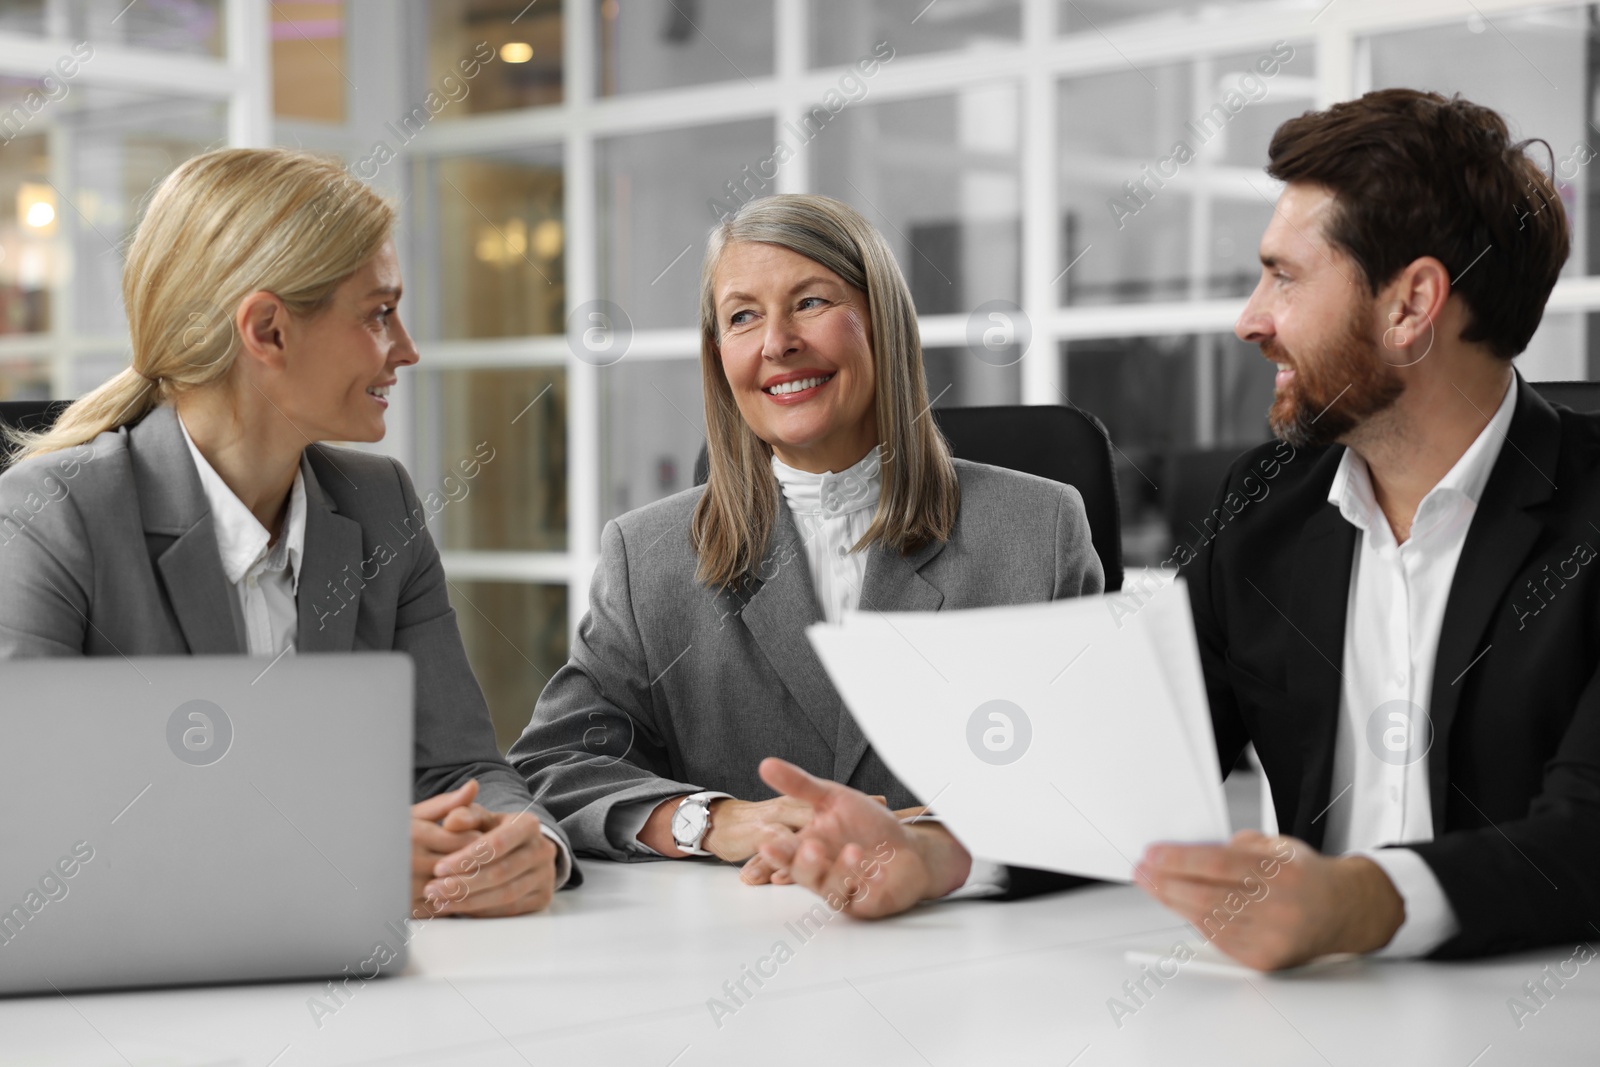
[{"x": 1514, "y": 771}]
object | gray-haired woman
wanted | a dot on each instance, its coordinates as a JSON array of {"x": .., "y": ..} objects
[{"x": 830, "y": 489}]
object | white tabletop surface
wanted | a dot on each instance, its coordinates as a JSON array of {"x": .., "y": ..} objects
[{"x": 621, "y": 971}]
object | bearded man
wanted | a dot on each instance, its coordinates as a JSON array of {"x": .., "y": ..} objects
[{"x": 1408, "y": 626}]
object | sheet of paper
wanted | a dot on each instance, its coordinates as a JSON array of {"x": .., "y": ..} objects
[
  {"x": 1043, "y": 735},
  {"x": 1171, "y": 629}
]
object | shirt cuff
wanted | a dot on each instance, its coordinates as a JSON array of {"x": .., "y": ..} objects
[
  {"x": 1430, "y": 920},
  {"x": 563, "y": 855},
  {"x": 984, "y": 879}
]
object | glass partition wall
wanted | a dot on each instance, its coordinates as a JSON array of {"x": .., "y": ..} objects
[
  {"x": 1072, "y": 188},
  {"x": 98, "y": 102}
]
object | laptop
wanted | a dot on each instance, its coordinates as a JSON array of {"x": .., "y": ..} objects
[{"x": 203, "y": 819}]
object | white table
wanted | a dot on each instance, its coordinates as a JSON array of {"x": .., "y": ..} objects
[{"x": 620, "y": 971}]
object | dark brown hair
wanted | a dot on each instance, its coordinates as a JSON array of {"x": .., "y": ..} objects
[{"x": 1416, "y": 174}]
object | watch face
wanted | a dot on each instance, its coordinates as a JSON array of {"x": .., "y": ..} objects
[{"x": 688, "y": 823}]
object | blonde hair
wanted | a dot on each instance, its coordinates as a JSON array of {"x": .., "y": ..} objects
[
  {"x": 222, "y": 226},
  {"x": 920, "y": 495}
]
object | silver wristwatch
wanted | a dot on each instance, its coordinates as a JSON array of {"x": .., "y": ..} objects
[{"x": 691, "y": 821}]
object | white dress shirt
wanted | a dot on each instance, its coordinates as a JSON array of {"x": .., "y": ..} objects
[
  {"x": 266, "y": 578},
  {"x": 1379, "y": 794},
  {"x": 833, "y": 512}
]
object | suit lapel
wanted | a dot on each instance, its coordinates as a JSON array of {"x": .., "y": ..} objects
[
  {"x": 180, "y": 536},
  {"x": 778, "y": 610},
  {"x": 1497, "y": 545},
  {"x": 1319, "y": 598},
  {"x": 329, "y": 596},
  {"x": 892, "y": 583},
  {"x": 191, "y": 569}
]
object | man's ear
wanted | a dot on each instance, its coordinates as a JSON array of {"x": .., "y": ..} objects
[
  {"x": 1413, "y": 304},
  {"x": 261, "y": 322}
]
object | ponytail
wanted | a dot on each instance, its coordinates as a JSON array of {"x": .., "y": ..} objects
[{"x": 125, "y": 399}]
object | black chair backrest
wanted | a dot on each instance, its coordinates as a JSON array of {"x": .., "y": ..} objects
[
  {"x": 27, "y": 415},
  {"x": 1193, "y": 479},
  {"x": 1064, "y": 444},
  {"x": 1579, "y": 396}
]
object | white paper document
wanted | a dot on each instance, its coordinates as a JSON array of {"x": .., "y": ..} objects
[{"x": 1066, "y": 736}]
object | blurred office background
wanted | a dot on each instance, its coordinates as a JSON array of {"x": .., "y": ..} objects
[{"x": 586, "y": 155}]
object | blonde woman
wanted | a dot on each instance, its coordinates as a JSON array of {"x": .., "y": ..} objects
[
  {"x": 830, "y": 488},
  {"x": 261, "y": 292}
]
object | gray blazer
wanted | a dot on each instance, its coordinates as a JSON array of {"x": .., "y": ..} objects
[
  {"x": 674, "y": 688},
  {"x": 109, "y": 549}
]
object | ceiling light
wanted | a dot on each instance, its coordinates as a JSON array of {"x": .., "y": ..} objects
[
  {"x": 36, "y": 206},
  {"x": 516, "y": 51},
  {"x": 547, "y": 239}
]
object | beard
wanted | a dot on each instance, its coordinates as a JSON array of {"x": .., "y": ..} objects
[{"x": 1334, "y": 390}]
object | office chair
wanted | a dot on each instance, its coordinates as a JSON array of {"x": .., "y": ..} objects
[
  {"x": 1064, "y": 444},
  {"x": 1579, "y": 396},
  {"x": 27, "y": 415},
  {"x": 1193, "y": 478}
]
